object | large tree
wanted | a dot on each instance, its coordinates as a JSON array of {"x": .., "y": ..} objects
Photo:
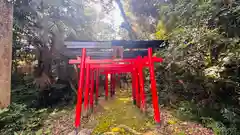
[{"x": 43, "y": 25}]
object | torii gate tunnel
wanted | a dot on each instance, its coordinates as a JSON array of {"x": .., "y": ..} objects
[{"x": 90, "y": 70}]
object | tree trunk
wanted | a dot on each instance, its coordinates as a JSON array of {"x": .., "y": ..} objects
[
  {"x": 6, "y": 19},
  {"x": 131, "y": 33}
]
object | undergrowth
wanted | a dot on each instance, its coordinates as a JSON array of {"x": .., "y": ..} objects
[
  {"x": 26, "y": 113},
  {"x": 223, "y": 122},
  {"x": 19, "y": 117}
]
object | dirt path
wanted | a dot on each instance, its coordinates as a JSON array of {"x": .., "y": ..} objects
[{"x": 119, "y": 116}]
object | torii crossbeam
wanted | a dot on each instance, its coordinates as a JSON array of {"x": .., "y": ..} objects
[{"x": 90, "y": 69}]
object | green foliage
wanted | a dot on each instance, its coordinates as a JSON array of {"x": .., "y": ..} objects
[
  {"x": 219, "y": 128},
  {"x": 25, "y": 115},
  {"x": 201, "y": 64},
  {"x": 186, "y": 111},
  {"x": 161, "y": 31},
  {"x": 222, "y": 123},
  {"x": 18, "y": 117}
]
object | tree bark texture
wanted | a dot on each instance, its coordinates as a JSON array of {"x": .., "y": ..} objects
[{"x": 6, "y": 22}]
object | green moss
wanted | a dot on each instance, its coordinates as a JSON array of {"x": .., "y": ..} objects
[
  {"x": 102, "y": 127},
  {"x": 121, "y": 111},
  {"x": 181, "y": 133},
  {"x": 172, "y": 122}
]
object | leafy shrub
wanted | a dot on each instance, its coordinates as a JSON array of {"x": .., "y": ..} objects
[
  {"x": 201, "y": 64},
  {"x": 18, "y": 117}
]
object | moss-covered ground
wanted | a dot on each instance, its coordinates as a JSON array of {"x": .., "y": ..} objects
[
  {"x": 121, "y": 111},
  {"x": 118, "y": 116}
]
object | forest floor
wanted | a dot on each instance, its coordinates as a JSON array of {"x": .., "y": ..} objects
[{"x": 118, "y": 115}]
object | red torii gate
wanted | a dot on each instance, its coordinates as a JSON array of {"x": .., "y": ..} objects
[{"x": 114, "y": 66}]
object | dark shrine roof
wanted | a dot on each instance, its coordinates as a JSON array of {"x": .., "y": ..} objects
[{"x": 137, "y": 48}]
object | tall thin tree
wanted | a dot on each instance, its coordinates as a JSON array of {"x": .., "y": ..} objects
[{"x": 6, "y": 22}]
